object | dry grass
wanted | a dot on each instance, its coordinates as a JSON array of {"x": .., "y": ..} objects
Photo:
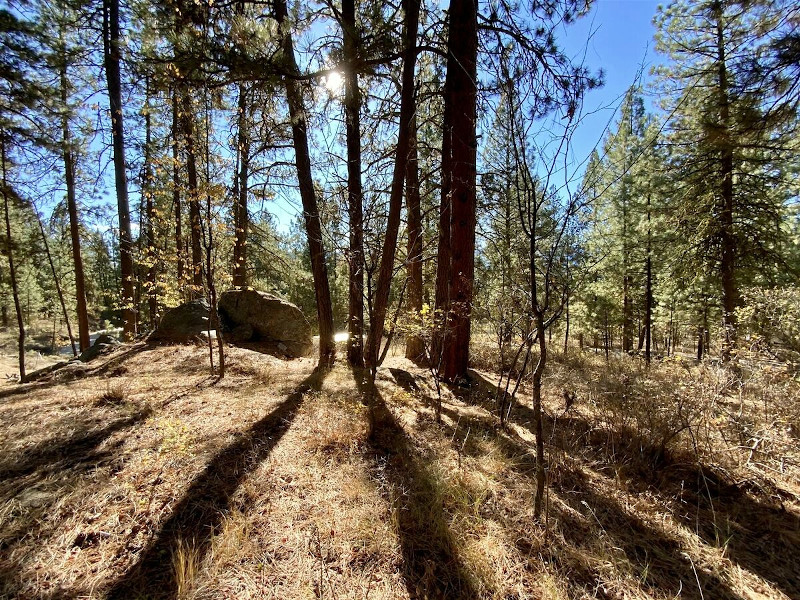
[{"x": 150, "y": 479}]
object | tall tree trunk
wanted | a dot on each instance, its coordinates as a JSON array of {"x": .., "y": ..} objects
[
  {"x": 415, "y": 347},
  {"x": 355, "y": 196},
  {"x": 407, "y": 108},
  {"x": 443, "y": 251},
  {"x": 176, "y": 191},
  {"x": 462, "y": 94},
  {"x": 11, "y": 268},
  {"x": 111, "y": 47},
  {"x": 195, "y": 226},
  {"x": 72, "y": 210},
  {"x": 150, "y": 216},
  {"x": 627, "y": 304},
  {"x": 566, "y": 328},
  {"x": 241, "y": 217},
  {"x": 319, "y": 268},
  {"x": 648, "y": 309},
  {"x": 730, "y": 291},
  {"x": 537, "y": 411}
]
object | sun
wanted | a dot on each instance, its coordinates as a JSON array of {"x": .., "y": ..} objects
[{"x": 334, "y": 81}]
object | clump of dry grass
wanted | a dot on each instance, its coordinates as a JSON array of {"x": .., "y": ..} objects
[
  {"x": 185, "y": 565},
  {"x": 112, "y": 396}
]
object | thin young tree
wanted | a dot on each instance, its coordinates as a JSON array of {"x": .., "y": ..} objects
[
  {"x": 61, "y": 55},
  {"x": 12, "y": 271}
]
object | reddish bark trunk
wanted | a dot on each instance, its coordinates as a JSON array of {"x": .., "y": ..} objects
[
  {"x": 462, "y": 95},
  {"x": 112, "y": 59}
]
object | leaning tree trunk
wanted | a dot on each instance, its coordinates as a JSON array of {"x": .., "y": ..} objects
[
  {"x": 462, "y": 68},
  {"x": 319, "y": 268},
  {"x": 355, "y": 196},
  {"x": 389, "y": 250},
  {"x": 11, "y": 267},
  {"x": 112, "y": 59},
  {"x": 57, "y": 281}
]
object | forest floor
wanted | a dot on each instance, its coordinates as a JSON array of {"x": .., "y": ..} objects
[{"x": 146, "y": 477}]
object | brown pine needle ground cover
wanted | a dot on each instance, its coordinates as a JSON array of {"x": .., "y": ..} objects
[{"x": 147, "y": 478}]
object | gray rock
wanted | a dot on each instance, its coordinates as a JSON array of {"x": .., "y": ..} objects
[
  {"x": 241, "y": 333},
  {"x": 184, "y": 323},
  {"x": 103, "y": 344},
  {"x": 272, "y": 320}
]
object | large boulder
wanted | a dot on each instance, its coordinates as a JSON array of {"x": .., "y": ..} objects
[
  {"x": 102, "y": 345},
  {"x": 271, "y": 320},
  {"x": 184, "y": 323}
]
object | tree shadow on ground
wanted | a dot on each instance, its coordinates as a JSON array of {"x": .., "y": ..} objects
[
  {"x": 586, "y": 517},
  {"x": 65, "y": 372},
  {"x": 431, "y": 565},
  {"x": 72, "y": 453},
  {"x": 199, "y": 514},
  {"x": 760, "y": 536},
  {"x": 37, "y": 479}
]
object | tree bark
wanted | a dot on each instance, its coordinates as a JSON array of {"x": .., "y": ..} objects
[
  {"x": 241, "y": 217},
  {"x": 415, "y": 347},
  {"x": 319, "y": 268},
  {"x": 150, "y": 217},
  {"x": 407, "y": 108},
  {"x": 730, "y": 291},
  {"x": 195, "y": 226},
  {"x": 11, "y": 267},
  {"x": 355, "y": 196},
  {"x": 111, "y": 47},
  {"x": 72, "y": 210},
  {"x": 462, "y": 95},
  {"x": 176, "y": 191},
  {"x": 443, "y": 250}
]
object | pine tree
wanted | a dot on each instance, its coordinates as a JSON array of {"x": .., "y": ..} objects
[{"x": 727, "y": 132}]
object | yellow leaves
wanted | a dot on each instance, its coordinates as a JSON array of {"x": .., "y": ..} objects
[{"x": 175, "y": 437}]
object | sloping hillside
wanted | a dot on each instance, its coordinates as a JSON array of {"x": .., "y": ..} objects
[{"x": 148, "y": 478}]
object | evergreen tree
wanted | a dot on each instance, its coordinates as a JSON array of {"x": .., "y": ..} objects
[{"x": 730, "y": 134}]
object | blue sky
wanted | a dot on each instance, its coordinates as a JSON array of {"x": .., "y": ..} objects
[
  {"x": 620, "y": 34},
  {"x": 622, "y": 45}
]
